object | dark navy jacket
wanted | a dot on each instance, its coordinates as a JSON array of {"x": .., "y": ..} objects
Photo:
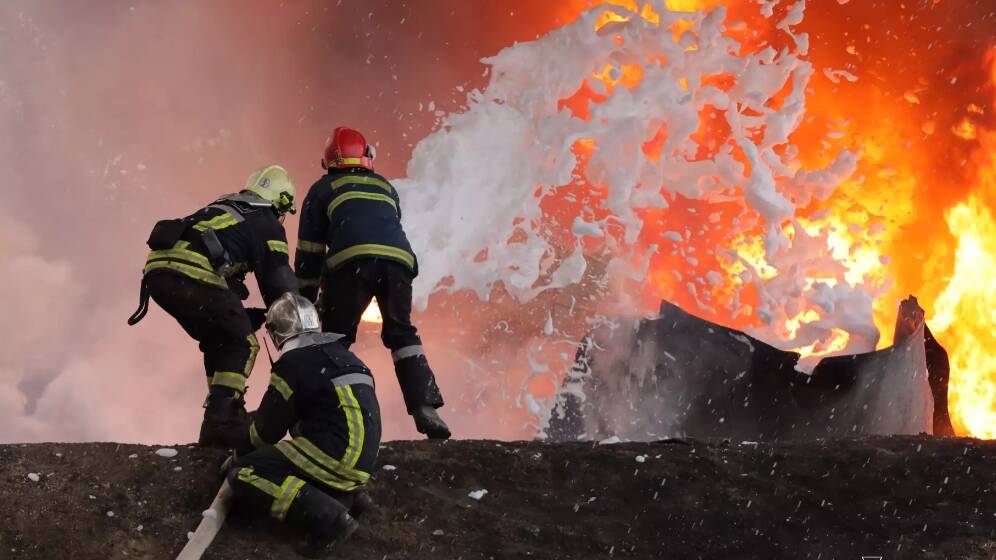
[
  {"x": 349, "y": 214},
  {"x": 252, "y": 237}
]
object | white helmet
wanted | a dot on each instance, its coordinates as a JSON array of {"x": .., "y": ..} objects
[
  {"x": 290, "y": 316},
  {"x": 274, "y": 185}
]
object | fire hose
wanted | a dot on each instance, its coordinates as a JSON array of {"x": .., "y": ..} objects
[{"x": 209, "y": 526}]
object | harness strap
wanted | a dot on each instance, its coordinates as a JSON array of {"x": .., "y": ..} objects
[{"x": 143, "y": 305}]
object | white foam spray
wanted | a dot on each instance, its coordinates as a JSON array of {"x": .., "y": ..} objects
[{"x": 479, "y": 180}]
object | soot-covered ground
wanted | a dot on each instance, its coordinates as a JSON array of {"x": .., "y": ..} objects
[{"x": 894, "y": 497}]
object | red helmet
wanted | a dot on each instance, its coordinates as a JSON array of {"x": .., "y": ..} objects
[{"x": 347, "y": 148}]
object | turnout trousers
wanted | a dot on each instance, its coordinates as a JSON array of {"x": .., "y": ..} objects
[
  {"x": 270, "y": 479},
  {"x": 347, "y": 291},
  {"x": 215, "y": 318}
]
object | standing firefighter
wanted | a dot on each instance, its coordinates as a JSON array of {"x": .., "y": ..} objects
[
  {"x": 352, "y": 245},
  {"x": 324, "y": 395},
  {"x": 196, "y": 273}
]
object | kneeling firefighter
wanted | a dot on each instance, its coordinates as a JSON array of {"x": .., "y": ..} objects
[
  {"x": 196, "y": 273},
  {"x": 325, "y": 396}
]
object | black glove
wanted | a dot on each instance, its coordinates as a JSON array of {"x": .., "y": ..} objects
[
  {"x": 238, "y": 286},
  {"x": 257, "y": 316}
]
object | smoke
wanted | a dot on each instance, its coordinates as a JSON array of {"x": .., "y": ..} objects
[{"x": 117, "y": 114}]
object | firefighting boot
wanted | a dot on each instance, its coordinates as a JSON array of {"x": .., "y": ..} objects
[
  {"x": 428, "y": 422},
  {"x": 362, "y": 503},
  {"x": 324, "y": 519},
  {"x": 226, "y": 423},
  {"x": 422, "y": 396}
]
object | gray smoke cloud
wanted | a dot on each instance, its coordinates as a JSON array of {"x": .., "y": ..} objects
[{"x": 117, "y": 114}]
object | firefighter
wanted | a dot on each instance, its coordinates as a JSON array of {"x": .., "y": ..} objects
[
  {"x": 196, "y": 273},
  {"x": 352, "y": 245},
  {"x": 325, "y": 396}
]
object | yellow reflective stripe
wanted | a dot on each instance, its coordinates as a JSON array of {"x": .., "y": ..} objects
[
  {"x": 371, "y": 249},
  {"x": 351, "y": 161},
  {"x": 310, "y": 246},
  {"x": 254, "y": 438},
  {"x": 278, "y": 246},
  {"x": 313, "y": 470},
  {"x": 288, "y": 491},
  {"x": 323, "y": 460},
  {"x": 231, "y": 379},
  {"x": 354, "y": 424},
  {"x": 246, "y": 475},
  {"x": 183, "y": 255},
  {"x": 192, "y": 271},
  {"x": 377, "y": 197},
  {"x": 350, "y": 427},
  {"x": 253, "y": 352},
  {"x": 220, "y": 221},
  {"x": 361, "y": 180},
  {"x": 281, "y": 386}
]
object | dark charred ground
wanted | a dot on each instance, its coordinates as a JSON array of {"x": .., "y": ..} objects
[{"x": 895, "y": 497}]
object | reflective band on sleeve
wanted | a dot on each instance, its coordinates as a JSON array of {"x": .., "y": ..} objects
[
  {"x": 353, "y": 379},
  {"x": 288, "y": 491},
  {"x": 278, "y": 246},
  {"x": 408, "y": 352},
  {"x": 310, "y": 246},
  {"x": 361, "y": 180},
  {"x": 377, "y": 197},
  {"x": 254, "y": 438},
  {"x": 281, "y": 386},
  {"x": 373, "y": 250},
  {"x": 308, "y": 282},
  {"x": 230, "y": 379}
]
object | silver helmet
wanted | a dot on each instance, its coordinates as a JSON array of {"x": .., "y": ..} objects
[{"x": 290, "y": 315}]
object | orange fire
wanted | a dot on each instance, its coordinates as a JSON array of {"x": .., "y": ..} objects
[
  {"x": 919, "y": 215},
  {"x": 372, "y": 314}
]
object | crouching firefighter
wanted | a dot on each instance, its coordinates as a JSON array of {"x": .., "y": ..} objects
[
  {"x": 196, "y": 273},
  {"x": 324, "y": 395},
  {"x": 351, "y": 245}
]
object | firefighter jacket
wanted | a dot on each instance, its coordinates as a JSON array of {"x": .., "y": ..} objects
[
  {"x": 324, "y": 395},
  {"x": 349, "y": 214},
  {"x": 219, "y": 244}
]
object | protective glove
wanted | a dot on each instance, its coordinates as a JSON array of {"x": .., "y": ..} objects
[
  {"x": 238, "y": 286},
  {"x": 257, "y": 316}
]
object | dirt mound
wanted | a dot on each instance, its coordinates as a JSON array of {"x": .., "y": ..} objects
[{"x": 895, "y": 497}]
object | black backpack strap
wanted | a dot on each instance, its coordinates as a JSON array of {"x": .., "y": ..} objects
[{"x": 143, "y": 305}]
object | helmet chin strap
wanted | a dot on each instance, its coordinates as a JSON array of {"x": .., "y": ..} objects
[{"x": 268, "y": 354}]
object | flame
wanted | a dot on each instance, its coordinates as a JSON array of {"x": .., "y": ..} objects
[
  {"x": 965, "y": 312},
  {"x": 919, "y": 215},
  {"x": 372, "y": 313}
]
